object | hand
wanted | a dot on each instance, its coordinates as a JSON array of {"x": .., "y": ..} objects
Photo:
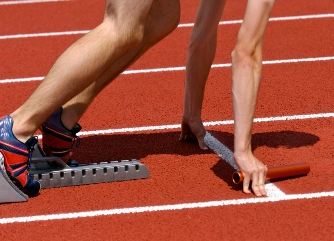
[
  {"x": 192, "y": 131},
  {"x": 252, "y": 169}
]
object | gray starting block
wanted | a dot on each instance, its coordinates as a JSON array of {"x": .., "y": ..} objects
[
  {"x": 61, "y": 175},
  {"x": 8, "y": 191}
]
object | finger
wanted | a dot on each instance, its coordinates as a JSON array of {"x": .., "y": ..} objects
[
  {"x": 202, "y": 144},
  {"x": 255, "y": 184},
  {"x": 245, "y": 183},
  {"x": 184, "y": 137},
  {"x": 262, "y": 178},
  {"x": 184, "y": 131},
  {"x": 188, "y": 137},
  {"x": 181, "y": 138}
]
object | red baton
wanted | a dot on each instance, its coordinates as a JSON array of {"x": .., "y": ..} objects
[{"x": 275, "y": 172}]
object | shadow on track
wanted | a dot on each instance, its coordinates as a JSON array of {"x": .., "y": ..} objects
[{"x": 128, "y": 146}]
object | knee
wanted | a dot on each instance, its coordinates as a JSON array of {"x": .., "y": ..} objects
[
  {"x": 164, "y": 18},
  {"x": 242, "y": 57},
  {"x": 128, "y": 33},
  {"x": 124, "y": 24}
]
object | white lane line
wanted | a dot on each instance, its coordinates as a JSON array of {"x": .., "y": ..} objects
[
  {"x": 276, "y": 118},
  {"x": 3, "y": 81},
  {"x": 171, "y": 207},
  {"x": 29, "y": 1},
  {"x": 182, "y": 68},
  {"x": 210, "y": 123},
  {"x": 184, "y": 25},
  {"x": 273, "y": 19},
  {"x": 227, "y": 155},
  {"x": 33, "y": 35}
]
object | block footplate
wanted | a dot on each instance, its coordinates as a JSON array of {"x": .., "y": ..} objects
[
  {"x": 86, "y": 174},
  {"x": 64, "y": 175}
]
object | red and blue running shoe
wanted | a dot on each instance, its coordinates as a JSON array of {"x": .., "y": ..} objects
[
  {"x": 58, "y": 140},
  {"x": 17, "y": 157}
]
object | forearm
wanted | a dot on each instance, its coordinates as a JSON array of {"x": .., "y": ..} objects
[
  {"x": 200, "y": 56},
  {"x": 201, "y": 52},
  {"x": 247, "y": 69},
  {"x": 246, "y": 75}
]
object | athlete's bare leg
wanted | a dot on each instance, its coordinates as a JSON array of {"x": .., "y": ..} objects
[
  {"x": 84, "y": 62},
  {"x": 163, "y": 18},
  {"x": 201, "y": 52},
  {"x": 246, "y": 77}
]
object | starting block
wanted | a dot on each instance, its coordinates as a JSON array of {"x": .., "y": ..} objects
[
  {"x": 8, "y": 191},
  {"x": 61, "y": 175}
]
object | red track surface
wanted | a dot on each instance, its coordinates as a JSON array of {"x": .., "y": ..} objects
[{"x": 180, "y": 172}]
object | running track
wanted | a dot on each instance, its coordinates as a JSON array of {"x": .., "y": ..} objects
[{"x": 189, "y": 195}]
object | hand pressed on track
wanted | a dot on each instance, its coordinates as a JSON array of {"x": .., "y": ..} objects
[
  {"x": 192, "y": 131},
  {"x": 252, "y": 170}
]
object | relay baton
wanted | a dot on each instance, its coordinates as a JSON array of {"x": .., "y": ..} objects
[{"x": 275, "y": 172}]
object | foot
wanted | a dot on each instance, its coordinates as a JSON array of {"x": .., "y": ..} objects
[
  {"x": 17, "y": 157},
  {"x": 58, "y": 140}
]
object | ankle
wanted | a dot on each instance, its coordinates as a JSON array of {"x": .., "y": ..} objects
[
  {"x": 68, "y": 119},
  {"x": 21, "y": 130}
]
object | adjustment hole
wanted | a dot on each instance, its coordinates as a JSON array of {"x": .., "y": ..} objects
[
  {"x": 137, "y": 167},
  {"x": 94, "y": 172},
  {"x": 61, "y": 175},
  {"x": 73, "y": 174},
  {"x": 83, "y": 173},
  {"x": 126, "y": 167},
  {"x": 51, "y": 175},
  {"x": 115, "y": 169},
  {"x": 40, "y": 176},
  {"x": 105, "y": 170}
]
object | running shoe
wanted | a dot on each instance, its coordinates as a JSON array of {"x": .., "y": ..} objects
[
  {"x": 17, "y": 157},
  {"x": 58, "y": 140}
]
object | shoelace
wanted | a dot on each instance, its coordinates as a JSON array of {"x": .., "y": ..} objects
[
  {"x": 31, "y": 142},
  {"x": 76, "y": 141}
]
